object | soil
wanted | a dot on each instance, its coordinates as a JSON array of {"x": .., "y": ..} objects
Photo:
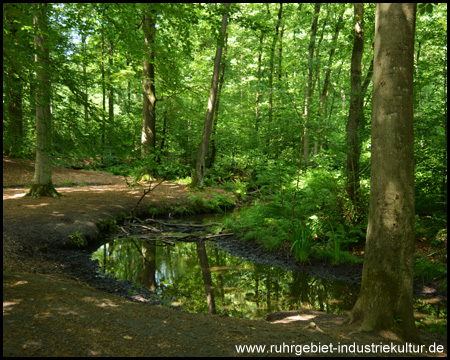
[{"x": 55, "y": 304}]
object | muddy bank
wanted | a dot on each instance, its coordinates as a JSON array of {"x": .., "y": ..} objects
[
  {"x": 251, "y": 251},
  {"x": 350, "y": 274}
]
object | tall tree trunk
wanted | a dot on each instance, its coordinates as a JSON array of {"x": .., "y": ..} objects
[
  {"x": 272, "y": 61},
  {"x": 216, "y": 111},
  {"x": 148, "y": 137},
  {"x": 42, "y": 184},
  {"x": 387, "y": 281},
  {"x": 258, "y": 94},
  {"x": 102, "y": 66},
  {"x": 309, "y": 83},
  {"x": 324, "y": 95},
  {"x": 110, "y": 90},
  {"x": 354, "y": 115},
  {"x": 419, "y": 94},
  {"x": 198, "y": 177},
  {"x": 85, "y": 91},
  {"x": 444, "y": 170},
  {"x": 128, "y": 104}
]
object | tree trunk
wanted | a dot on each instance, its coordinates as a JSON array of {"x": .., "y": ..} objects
[
  {"x": 110, "y": 90},
  {"x": 148, "y": 137},
  {"x": 385, "y": 299},
  {"x": 271, "y": 66},
  {"x": 216, "y": 111},
  {"x": 102, "y": 66},
  {"x": 323, "y": 103},
  {"x": 309, "y": 84},
  {"x": 353, "y": 151},
  {"x": 198, "y": 177},
  {"x": 257, "y": 99},
  {"x": 42, "y": 184},
  {"x": 85, "y": 91}
]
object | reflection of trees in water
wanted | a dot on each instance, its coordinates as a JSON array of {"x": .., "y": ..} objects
[
  {"x": 206, "y": 272},
  {"x": 205, "y": 279}
]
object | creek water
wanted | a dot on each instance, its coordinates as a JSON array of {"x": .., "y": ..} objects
[{"x": 200, "y": 277}]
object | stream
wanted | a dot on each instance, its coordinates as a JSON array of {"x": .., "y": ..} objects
[{"x": 202, "y": 276}]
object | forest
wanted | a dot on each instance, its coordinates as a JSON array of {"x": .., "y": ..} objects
[{"x": 328, "y": 120}]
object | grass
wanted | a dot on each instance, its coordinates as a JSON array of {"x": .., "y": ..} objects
[
  {"x": 217, "y": 203},
  {"x": 302, "y": 240},
  {"x": 327, "y": 254}
]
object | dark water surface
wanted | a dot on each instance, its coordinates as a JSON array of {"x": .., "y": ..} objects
[{"x": 200, "y": 277}]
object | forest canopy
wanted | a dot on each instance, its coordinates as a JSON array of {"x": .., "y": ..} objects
[{"x": 283, "y": 96}]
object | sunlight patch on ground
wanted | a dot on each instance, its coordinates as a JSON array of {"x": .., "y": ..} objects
[
  {"x": 289, "y": 319},
  {"x": 8, "y": 305},
  {"x": 35, "y": 206},
  {"x": 102, "y": 303},
  {"x": 13, "y": 196}
]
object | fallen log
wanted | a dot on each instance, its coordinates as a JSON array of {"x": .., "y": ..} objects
[
  {"x": 164, "y": 238},
  {"x": 165, "y": 223}
]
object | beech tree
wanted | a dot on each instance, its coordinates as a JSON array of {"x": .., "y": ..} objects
[
  {"x": 42, "y": 183},
  {"x": 385, "y": 299},
  {"x": 355, "y": 107},
  {"x": 148, "y": 83},
  {"x": 200, "y": 167},
  {"x": 309, "y": 84}
]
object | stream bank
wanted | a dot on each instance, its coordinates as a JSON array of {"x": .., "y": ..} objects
[
  {"x": 50, "y": 311},
  {"x": 265, "y": 281}
]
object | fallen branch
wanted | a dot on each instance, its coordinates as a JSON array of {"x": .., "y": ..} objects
[
  {"x": 162, "y": 238},
  {"x": 150, "y": 228},
  {"x": 145, "y": 193},
  {"x": 182, "y": 224},
  {"x": 207, "y": 237}
]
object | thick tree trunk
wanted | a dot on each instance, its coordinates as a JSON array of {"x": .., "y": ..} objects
[
  {"x": 353, "y": 151},
  {"x": 42, "y": 184},
  {"x": 148, "y": 138},
  {"x": 198, "y": 177},
  {"x": 385, "y": 300}
]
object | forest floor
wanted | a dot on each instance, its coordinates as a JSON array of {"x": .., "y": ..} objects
[{"x": 52, "y": 299}]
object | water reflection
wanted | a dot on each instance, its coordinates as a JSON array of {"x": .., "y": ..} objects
[{"x": 207, "y": 279}]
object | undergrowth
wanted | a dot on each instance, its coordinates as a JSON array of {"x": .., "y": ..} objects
[{"x": 307, "y": 215}]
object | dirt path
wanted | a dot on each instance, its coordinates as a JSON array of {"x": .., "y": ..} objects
[{"x": 49, "y": 312}]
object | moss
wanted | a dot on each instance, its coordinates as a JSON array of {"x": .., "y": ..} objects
[{"x": 40, "y": 190}]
